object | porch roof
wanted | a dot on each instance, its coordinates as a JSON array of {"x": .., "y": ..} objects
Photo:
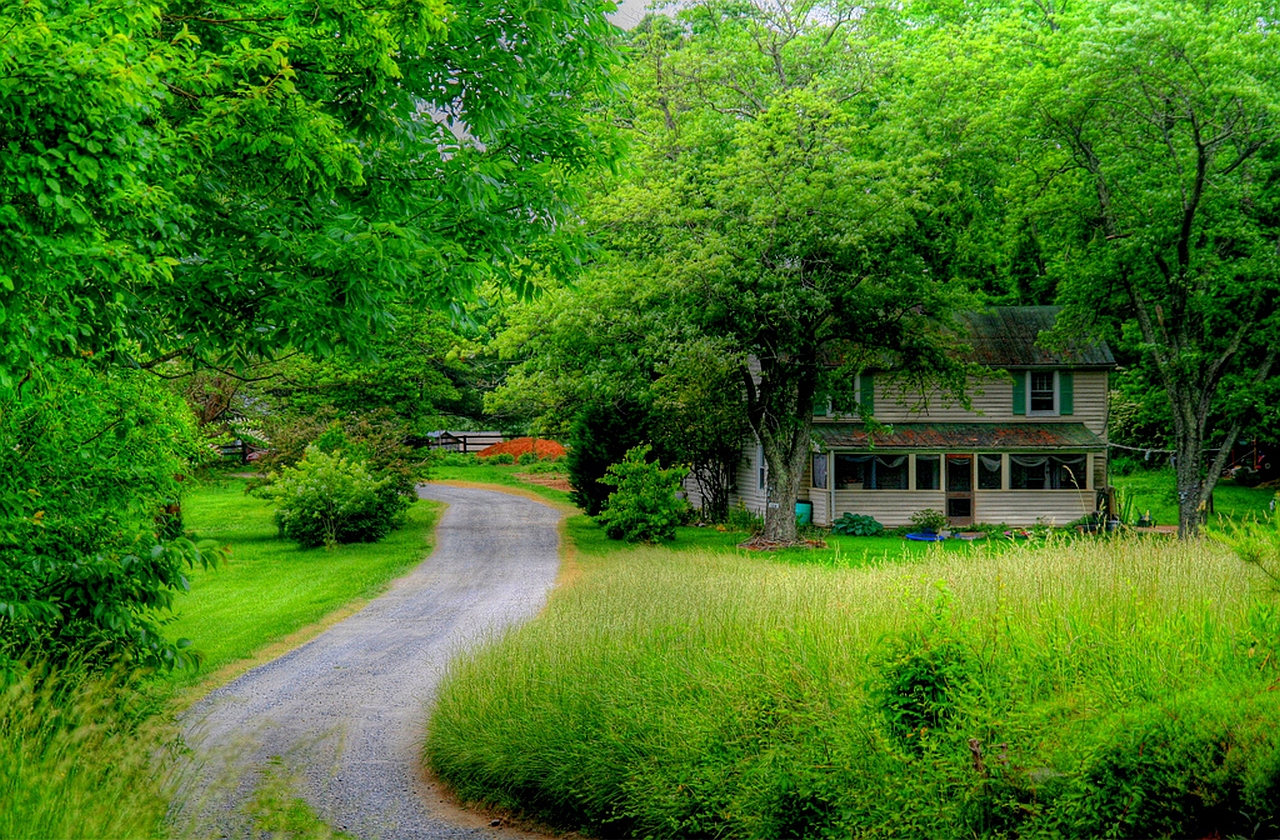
[{"x": 959, "y": 437}]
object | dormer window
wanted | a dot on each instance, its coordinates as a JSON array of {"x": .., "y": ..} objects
[{"x": 1043, "y": 392}]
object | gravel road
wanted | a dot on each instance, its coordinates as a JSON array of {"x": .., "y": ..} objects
[{"x": 345, "y": 713}]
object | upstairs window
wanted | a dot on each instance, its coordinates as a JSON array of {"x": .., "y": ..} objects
[
  {"x": 1043, "y": 392},
  {"x": 1046, "y": 393}
]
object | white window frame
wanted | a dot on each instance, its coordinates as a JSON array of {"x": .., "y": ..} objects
[{"x": 1057, "y": 395}]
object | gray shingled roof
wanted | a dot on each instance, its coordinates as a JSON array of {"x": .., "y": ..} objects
[
  {"x": 959, "y": 437},
  {"x": 1005, "y": 337}
]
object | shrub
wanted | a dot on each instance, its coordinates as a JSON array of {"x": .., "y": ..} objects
[
  {"x": 645, "y": 507},
  {"x": 857, "y": 525},
  {"x": 456, "y": 459},
  {"x": 90, "y": 553},
  {"x": 528, "y": 458},
  {"x": 929, "y": 520},
  {"x": 501, "y": 458},
  {"x": 600, "y": 436},
  {"x": 741, "y": 519},
  {"x": 328, "y": 499}
]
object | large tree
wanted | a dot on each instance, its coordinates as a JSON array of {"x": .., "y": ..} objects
[
  {"x": 209, "y": 178},
  {"x": 767, "y": 194},
  {"x": 225, "y": 182},
  {"x": 1152, "y": 166}
]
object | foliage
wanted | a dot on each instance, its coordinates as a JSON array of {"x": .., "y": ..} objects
[
  {"x": 601, "y": 435},
  {"x": 1255, "y": 542},
  {"x": 77, "y": 759},
  {"x": 928, "y": 520},
  {"x": 157, "y": 155},
  {"x": 857, "y": 525},
  {"x": 504, "y": 458},
  {"x": 90, "y": 462},
  {"x": 333, "y": 499},
  {"x": 1074, "y": 689},
  {"x": 645, "y": 505}
]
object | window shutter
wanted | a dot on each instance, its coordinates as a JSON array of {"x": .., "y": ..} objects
[
  {"x": 820, "y": 402},
  {"x": 1066, "y": 393},
  {"x": 1019, "y": 392},
  {"x": 867, "y": 394}
]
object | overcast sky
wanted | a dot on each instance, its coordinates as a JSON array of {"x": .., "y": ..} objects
[{"x": 629, "y": 13}]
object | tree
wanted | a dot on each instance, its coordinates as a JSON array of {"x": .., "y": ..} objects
[
  {"x": 610, "y": 363},
  {"x": 767, "y": 201},
  {"x": 230, "y": 183},
  {"x": 179, "y": 179},
  {"x": 91, "y": 551},
  {"x": 1152, "y": 165}
]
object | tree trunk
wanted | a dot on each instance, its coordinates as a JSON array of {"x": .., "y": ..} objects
[
  {"x": 780, "y": 410},
  {"x": 785, "y": 459}
]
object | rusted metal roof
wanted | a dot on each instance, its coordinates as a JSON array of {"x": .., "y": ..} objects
[
  {"x": 1005, "y": 337},
  {"x": 959, "y": 437}
]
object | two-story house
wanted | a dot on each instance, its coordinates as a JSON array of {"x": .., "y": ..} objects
[{"x": 1031, "y": 448}]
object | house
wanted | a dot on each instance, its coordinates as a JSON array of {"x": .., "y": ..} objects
[{"x": 1031, "y": 449}]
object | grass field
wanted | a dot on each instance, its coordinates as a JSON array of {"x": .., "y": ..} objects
[{"x": 1070, "y": 688}]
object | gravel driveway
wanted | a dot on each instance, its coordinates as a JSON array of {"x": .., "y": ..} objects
[{"x": 346, "y": 712}]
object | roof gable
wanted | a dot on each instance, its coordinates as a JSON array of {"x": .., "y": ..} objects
[{"x": 1005, "y": 337}]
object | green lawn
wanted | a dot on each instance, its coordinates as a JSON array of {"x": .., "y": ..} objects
[
  {"x": 268, "y": 588},
  {"x": 503, "y": 475},
  {"x": 1154, "y": 490}
]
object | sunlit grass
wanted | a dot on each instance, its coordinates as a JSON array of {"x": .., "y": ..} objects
[{"x": 704, "y": 693}]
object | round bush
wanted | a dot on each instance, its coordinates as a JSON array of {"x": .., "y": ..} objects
[{"x": 327, "y": 499}]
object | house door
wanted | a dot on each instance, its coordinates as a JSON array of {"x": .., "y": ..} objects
[{"x": 959, "y": 484}]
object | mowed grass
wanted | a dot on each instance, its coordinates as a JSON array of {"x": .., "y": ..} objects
[
  {"x": 1156, "y": 491},
  {"x": 1078, "y": 688},
  {"x": 268, "y": 588},
  {"x": 503, "y": 475},
  {"x": 839, "y": 551}
]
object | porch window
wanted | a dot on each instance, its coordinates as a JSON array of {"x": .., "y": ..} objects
[
  {"x": 889, "y": 472},
  {"x": 872, "y": 472},
  {"x": 851, "y": 471},
  {"x": 1047, "y": 472},
  {"x": 928, "y": 472},
  {"x": 990, "y": 472},
  {"x": 820, "y": 470}
]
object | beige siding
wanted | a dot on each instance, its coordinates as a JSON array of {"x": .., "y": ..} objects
[
  {"x": 1029, "y": 507},
  {"x": 992, "y": 401},
  {"x": 749, "y": 492},
  {"x": 891, "y": 508}
]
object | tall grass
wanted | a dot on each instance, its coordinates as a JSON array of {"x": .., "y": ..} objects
[
  {"x": 76, "y": 761},
  {"x": 1000, "y": 694}
]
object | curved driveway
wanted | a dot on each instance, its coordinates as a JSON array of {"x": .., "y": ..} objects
[{"x": 346, "y": 712}]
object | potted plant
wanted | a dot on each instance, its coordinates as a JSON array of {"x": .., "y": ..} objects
[{"x": 928, "y": 521}]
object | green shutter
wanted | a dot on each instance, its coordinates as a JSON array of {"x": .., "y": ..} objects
[
  {"x": 867, "y": 397},
  {"x": 820, "y": 401},
  {"x": 1019, "y": 392},
  {"x": 1066, "y": 393}
]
